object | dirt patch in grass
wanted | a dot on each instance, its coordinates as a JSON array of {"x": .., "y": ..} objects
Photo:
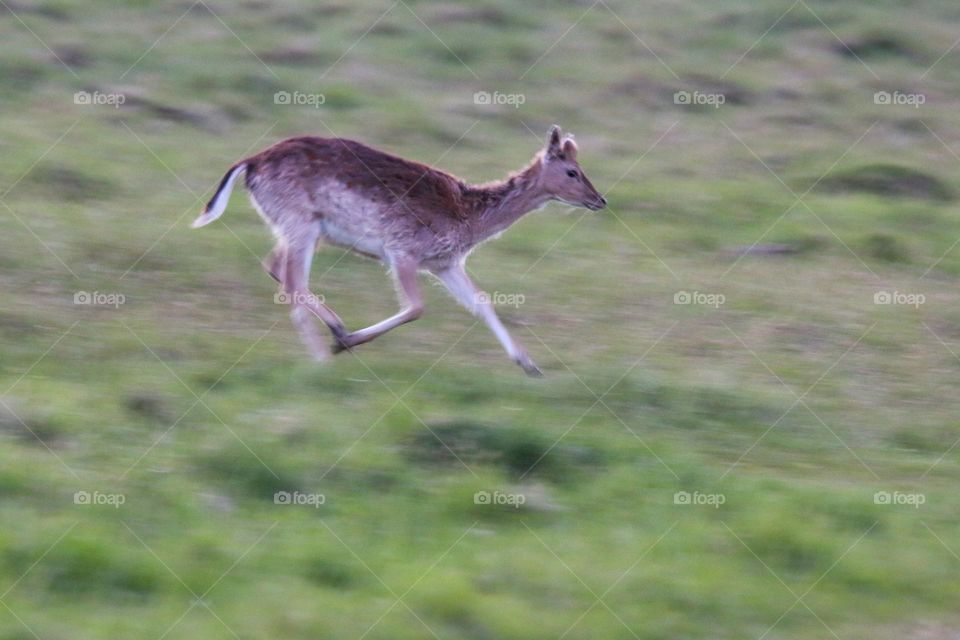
[
  {"x": 888, "y": 180},
  {"x": 877, "y": 45},
  {"x": 517, "y": 450}
]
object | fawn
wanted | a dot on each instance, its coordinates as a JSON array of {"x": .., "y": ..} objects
[{"x": 408, "y": 215}]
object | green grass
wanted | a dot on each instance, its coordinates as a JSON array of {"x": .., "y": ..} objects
[{"x": 793, "y": 403}]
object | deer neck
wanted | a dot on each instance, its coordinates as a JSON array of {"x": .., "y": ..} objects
[{"x": 497, "y": 205}]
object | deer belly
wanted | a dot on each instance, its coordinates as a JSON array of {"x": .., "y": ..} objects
[
  {"x": 354, "y": 239},
  {"x": 348, "y": 220}
]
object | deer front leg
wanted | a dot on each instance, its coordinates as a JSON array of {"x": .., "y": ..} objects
[
  {"x": 405, "y": 275},
  {"x": 459, "y": 284}
]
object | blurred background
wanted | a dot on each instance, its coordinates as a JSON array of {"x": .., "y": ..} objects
[{"x": 749, "y": 422}]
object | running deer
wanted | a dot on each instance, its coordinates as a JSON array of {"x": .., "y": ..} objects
[{"x": 410, "y": 216}]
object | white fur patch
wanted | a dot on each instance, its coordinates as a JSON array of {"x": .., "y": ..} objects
[
  {"x": 350, "y": 219},
  {"x": 219, "y": 204}
]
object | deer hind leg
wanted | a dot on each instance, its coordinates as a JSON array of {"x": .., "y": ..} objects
[
  {"x": 459, "y": 284},
  {"x": 303, "y": 302},
  {"x": 405, "y": 276}
]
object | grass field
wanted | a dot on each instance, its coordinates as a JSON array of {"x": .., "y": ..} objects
[{"x": 728, "y": 443}]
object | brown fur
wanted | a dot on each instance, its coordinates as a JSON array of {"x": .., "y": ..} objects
[{"x": 379, "y": 175}]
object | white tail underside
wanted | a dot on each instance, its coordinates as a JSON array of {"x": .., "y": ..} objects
[{"x": 218, "y": 205}]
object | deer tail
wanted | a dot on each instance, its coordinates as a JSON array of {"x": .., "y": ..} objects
[{"x": 218, "y": 203}]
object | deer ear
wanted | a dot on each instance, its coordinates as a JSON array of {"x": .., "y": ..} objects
[
  {"x": 570, "y": 148},
  {"x": 553, "y": 142}
]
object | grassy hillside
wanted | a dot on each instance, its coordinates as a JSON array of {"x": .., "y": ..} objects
[{"x": 776, "y": 458}]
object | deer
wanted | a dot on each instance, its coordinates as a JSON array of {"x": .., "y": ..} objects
[{"x": 412, "y": 217}]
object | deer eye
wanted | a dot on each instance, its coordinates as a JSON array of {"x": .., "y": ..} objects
[{"x": 571, "y": 173}]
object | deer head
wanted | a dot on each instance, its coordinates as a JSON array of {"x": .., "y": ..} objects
[{"x": 561, "y": 176}]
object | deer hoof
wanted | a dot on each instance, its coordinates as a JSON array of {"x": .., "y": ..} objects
[
  {"x": 530, "y": 368},
  {"x": 339, "y": 345}
]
